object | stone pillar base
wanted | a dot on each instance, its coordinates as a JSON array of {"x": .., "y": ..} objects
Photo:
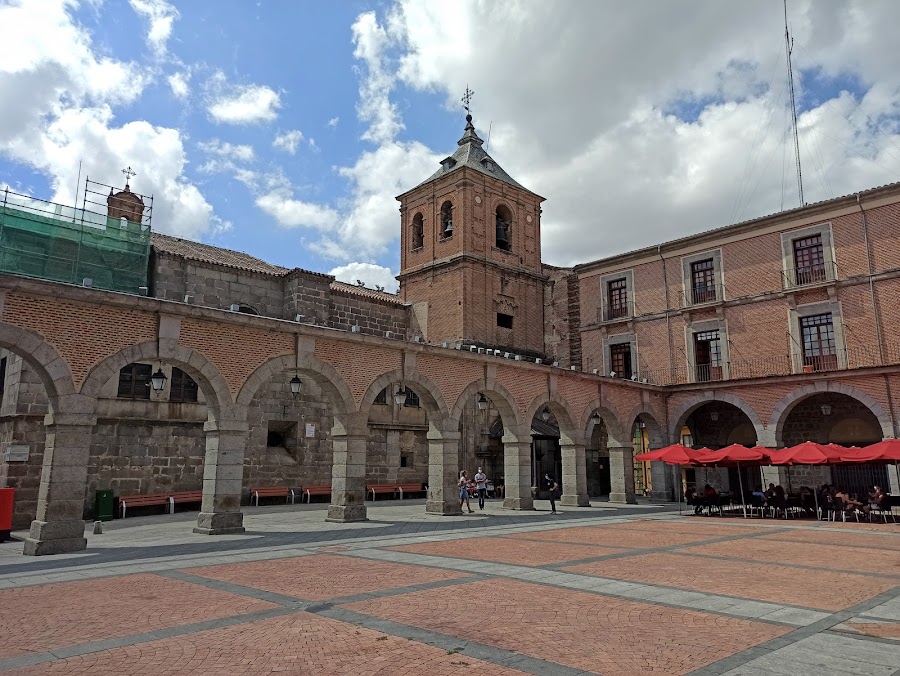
[
  {"x": 623, "y": 499},
  {"x": 518, "y": 503},
  {"x": 55, "y": 537},
  {"x": 346, "y": 513},
  {"x": 442, "y": 508},
  {"x": 220, "y": 523},
  {"x": 575, "y": 501}
]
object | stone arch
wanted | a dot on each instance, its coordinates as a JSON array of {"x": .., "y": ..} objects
[
  {"x": 611, "y": 422},
  {"x": 50, "y": 366},
  {"x": 433, "y": 400},
  {"x": 656, "y": 431},
  {"x": 683, "y": 412},
  {"x": 500, "y": 397},
  {"x": 324, "y": 374},
  {"x": 784, "y": 407},
  {"x": 560, "y": 408},
  {"x": 208, "y": 377}
]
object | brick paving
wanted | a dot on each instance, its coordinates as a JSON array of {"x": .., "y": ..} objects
[
  {"x": 581, "y": 630},
  {"x": 763, "y": 582},
  {"x": 297, "y": 644},
  {"x": 508, "y": 550},
  {"x": 47, "y": 617},
  {"x": 372, "y": 607},
  {"x": 323, "y": 576}
]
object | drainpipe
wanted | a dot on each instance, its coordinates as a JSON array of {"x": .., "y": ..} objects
[
  {"x": 668, "y": 319},
  {"x": 875, "y": 313}
]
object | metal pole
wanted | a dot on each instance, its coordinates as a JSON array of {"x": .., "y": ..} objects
[{"x": 741, "y": 484}]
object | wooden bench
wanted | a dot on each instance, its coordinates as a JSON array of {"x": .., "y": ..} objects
[
  {"x": 184, "y": 496},
  {"x": 272, "y": 492},
  {"x": 145, "y": 501},
  {"x": 378, "y": 489},
  {"x": 310, "y": 491},
  {"x": 411, "y": 488}
]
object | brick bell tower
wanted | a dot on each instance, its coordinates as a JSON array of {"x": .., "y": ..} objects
[{"x": 470, "y": 260}]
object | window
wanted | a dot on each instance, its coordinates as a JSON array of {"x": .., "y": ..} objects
[
  {"x": 274, "y": 439},
  {"x": 2, "y": 379},
  {"x": 703, "y": 281},
  {"x": 504, "y": 321},
  {"x": 183, "y": 387},
  {"x": 446, "y": 220},
  {"x": 382, "y": 397},
  {"x": 817, "y": 337},
  {"x": 809, "y": 260},
  {"x": 503, "y": 226},
  {"x": 617, "y": 298},
  {"x": 412, "y": 399},
  {"x": 134, "y": 381},
  {"x": 418, "y": 231},
  {"x": 620, "y": 360},
  {"x": 406, "y": 460},
  {"x": 708, "y": 356},
  {"x": 245, "y": 309}
]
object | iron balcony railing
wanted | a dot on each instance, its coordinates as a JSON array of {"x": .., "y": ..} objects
[
  {"x": 614, "y": 312},
  {"x": 699, "y": 294},
  {"x": 818, "y": 273}
]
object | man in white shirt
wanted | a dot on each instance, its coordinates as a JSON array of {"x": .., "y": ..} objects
[{"x": 481, "y": 487}]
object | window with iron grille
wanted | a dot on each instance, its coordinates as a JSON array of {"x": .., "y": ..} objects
[
  {"x": 703, "y": 281},
  {"x": 183, "y": 387},
  {"x": 819, "y": 348},
  {"x": 809, "y": 260},
  {"x": 412, "y": 399},
  {"x": 134, "y": 381},
  {"x": 381, "y": 397},
  {"x": 617, "y": 298},
  {"x": 708, "y": 355},
  {"x": 620, "y": 359}
]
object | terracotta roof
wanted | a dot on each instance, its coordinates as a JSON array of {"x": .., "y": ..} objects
[
  {"x": 205, "y": 253},
  {"x": 365, "y": 292}
]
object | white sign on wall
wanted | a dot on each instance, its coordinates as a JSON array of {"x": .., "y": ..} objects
[{"x": 311, "y": 430}]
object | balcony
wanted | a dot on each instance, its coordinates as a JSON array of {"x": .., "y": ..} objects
[
  {"x": 705, "y": 373},
  {"x": 701, "y": 294},
  {"x": 618, "y": 313},
  {"x": 820, "y": 273}
]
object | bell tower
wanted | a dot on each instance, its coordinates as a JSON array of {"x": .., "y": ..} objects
[{"x": 470, "y": 260}]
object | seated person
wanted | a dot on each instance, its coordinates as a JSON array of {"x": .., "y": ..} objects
[
  {"x": 879, "y": 499},
  {"x": 770, "y": 492},
  {"x": 690, "y": 495},
  {"x": 850, "y": 503},
  {"x": 710, "y": 497}
]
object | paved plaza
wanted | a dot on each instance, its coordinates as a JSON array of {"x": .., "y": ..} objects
[{"x": 599, "y": 590}]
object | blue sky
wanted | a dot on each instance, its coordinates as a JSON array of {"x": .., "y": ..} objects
[{"x": 285, "y": 129}]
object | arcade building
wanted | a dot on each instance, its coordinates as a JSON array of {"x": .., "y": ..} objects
[{"x": 141, "y": 363}]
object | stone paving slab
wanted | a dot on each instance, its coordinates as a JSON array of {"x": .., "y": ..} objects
[
  {"x": 884, "y": 539},
  {"x": 583, "y": 631},
  {"x": 509, "y": 550}
]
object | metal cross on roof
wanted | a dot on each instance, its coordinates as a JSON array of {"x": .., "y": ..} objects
[
  {"x": 467, "y": 98},
  {"x": 129, "y": 172}
]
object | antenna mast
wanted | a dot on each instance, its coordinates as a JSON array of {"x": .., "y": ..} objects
[{"x": 789, "y": 45}]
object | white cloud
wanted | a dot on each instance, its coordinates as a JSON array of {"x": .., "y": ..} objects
[
  {"x": 219, "y": 148},
  {"x": 57, "y": 97},
  {"x": 293, "y": 213},
  {"x": 161, "y": 17},
  {"x": 375, "y": 107},
  {"x": 179, "y": 83},
  {"x": 373, "y": 275},
  {"x": 241, "y": 104},
  {"x": 288, "y": 141},
  {"x": 333, "y": 122}
]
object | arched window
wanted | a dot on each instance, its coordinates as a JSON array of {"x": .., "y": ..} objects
[
  {"x": 245, "y": 309},
  {"x": 412, "y": 399},
  {"x": 418, "y": 232},
  {"x": 504, "y": 226},
  {"x": 382, "y": 397},
  {"x": 446, "y": 220}
]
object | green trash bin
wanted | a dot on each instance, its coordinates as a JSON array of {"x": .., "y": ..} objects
[{"x": 105, "y": 506}]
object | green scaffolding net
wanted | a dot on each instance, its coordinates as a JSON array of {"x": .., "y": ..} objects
[{"x": 62, "y": 244}]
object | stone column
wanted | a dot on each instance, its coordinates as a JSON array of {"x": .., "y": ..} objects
[
  {"x": 662, "y": 481},
  {"x": 621, "y": 473},
  {"x": 223, "y": 478},
  {"x": 517, "y": 471},
  {"x": 443, "y": 473},
  {"x": 348, "y": 474},
  {"x": 59, "y": 526},
  {"x": 574, "y": 476}
]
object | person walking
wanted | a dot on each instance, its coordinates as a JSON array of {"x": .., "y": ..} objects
[
  {"x": 553, "y": 487},
  {"x": 481, "y": 487},
  {"x": 464, "y": 491}
]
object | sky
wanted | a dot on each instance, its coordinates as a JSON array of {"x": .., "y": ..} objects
[{"x": 286, "y": 129}]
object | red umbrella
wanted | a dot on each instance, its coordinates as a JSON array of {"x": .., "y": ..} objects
[
  {"x": 808, "y": 453},
  {"x": 676, "y": 454},
  {"x": 884, "y": 451},
  {"x": 735, "y": 455}
]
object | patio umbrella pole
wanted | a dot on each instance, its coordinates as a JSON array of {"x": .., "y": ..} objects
[
  {"x": 676, "y": 486},
  {"x": 741, "y": 484}
]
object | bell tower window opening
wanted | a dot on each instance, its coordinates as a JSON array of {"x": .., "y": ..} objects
[
  {"x": 503, "y": 228},
  {"x": 504, "y": 321},
  {"x": 447, "y": 220},
  {"x": 418, "y": 232}
]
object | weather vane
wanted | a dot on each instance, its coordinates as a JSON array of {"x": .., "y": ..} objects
[
  {"x": 129, "y": 172},
  {"x": 467, "y": 99}
]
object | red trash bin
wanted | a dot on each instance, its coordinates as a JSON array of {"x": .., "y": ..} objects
[{"x": 6, "y": 512}]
